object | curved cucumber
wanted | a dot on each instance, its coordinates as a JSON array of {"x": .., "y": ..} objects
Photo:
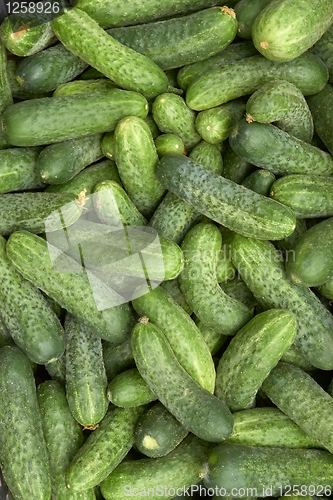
[
  {"x": 18, "y": 169},
  {"x": 224, "y": 201},
  {"x": 235, "y": 168},
  {"x": 321, "y": 106},
  {"x": 221, "y": 85},
  {"x": 260, "y": 181},
  {"x": 117, "y": 358},
  {"x": 80, "y": 34},
  {"x": 214, "y": 125},
  {"x": 24, "y": 459},
  {"x": 246, "y": 12},
  {"x": 237, "y": 289},
  {"x": 129, "y": 389},
  {"x": 83, "y": 87},
  {"x": 268, "y": 147},
  {"x": 197, "y": 409},
  {"x": 6, "y": 98},
  {"x": 323, "y": 49},
  {"x": 251, "y": 355},
  {"x": 169, "y": 143}
]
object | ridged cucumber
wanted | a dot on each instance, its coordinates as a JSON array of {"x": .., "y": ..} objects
[{"x": 129, "y": 389}]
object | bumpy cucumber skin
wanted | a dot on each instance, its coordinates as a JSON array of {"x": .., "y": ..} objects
[
  {"x": 129, "y": 389},
  {"x": 18, "y": 170},
  {"x": 246, "y": 11},
  {"x": 208, "y": 155},
  {"x": 80, "y": 34},
  {"x": 173, "y": 116},
  {"x": 223, "y": 201},
  {"x": 86, "y": 381},
  {"x": 235, "y": 168},
  {"x": 294, "y": 357},
  {"x": 24, "y": 459},
  {"x": 169, "y": 143},
  {"x": 287, "y": 243},
  {"x": 197, "y": 409},
  {"x": 281, "y": 102},
  {"x": 214, "y": 125},
  {"x": 108, "y": 145},
  {"x": 181, "y": 40},
  {"x": 199, "y": 284},
  {"x": 268, "y": 147},
  {"x": 321, "y": 108},
  {"x": 213, "y": 339},
  {"x": 173, "y": 288},
  {"x": 181, "y": 468},
  {"x": 83, "y": 87},
  {"x": 300, "y": 397},
  {"x": 71, "y": 291},
  {"x": 56, "y": 119},
  {"x": 327, "y": 289},
  {"x": 244, "y": 77},
  {"x": 117, "y": 358},
  {"x": 260, "y": 181},
  {"x": 104, "y": 449},
  {"x": 57, "y": 369},
  {"x": 285, "y": 29},
  {"x": 237, "y": 289},
  {"x": 136, "y": 159},
  {"x": 6, "y": 98},
  {"x": 260, "y": 266},
  {"x": 60, "y": 162},
  {"x": 308, "y": 196},
  {"x": 324, "y": 49},
  {"x": 189, "y": 346},
  {"x": 268, "y": 427},
  {"x": 238, "y": 466},
  {"x": 251, "y": 355}
]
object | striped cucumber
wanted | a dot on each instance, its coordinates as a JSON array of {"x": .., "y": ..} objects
[
  {"x": 260, "y": 181},
  {"x": 6, "y": 98},
  {"x": 18, "y": 170},
  {"x": 129, "y": 389}
]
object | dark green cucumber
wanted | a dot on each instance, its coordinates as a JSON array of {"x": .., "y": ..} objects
[
  {"x": 286, "y": 244},
  {"x": 235, "y": 168},
  {"x": 24, "y": 459},
  {"x": 16, "y": 90},
  {"x": 167, "y": 476},
  {"x": 199, "y": 284},
  {"x": 173, "y": 288},
  {"x": 5, "y": 337},
  {"x": 207, "y": 155},
  {"x": 221, "y": 85},
  {"x": 181, "y": 40},
  {"x": 321, "y": 106},
  {"x": 169, "y": 143},
  {"x": 83, "y": 87},
  {"x": 46, "y": 70},
  {"x": 300, "y": 397},
  {"x": 18, "y": 170},
  {"x": 260, "y": 266},
  {"x": 260, "y": 181},
  {"x": 246, "y": 12},
  {"x": 234, "y": 206},
  {"x": 285, "y": 29},
  {"x": 266, "y": 146},
  {"x": 237, "y": 289},
  {"x": 158, "y": 432},
  {"x": 30, "y": 255},
  {"x": 6, "y": 98},
  {"x": 259, "y": 469},
  {"x": 117, "y": 358},
  {"x": 129, "y": 389},
  {"x": 197, "y": 409},
  {"x": 251, "y": 355},
  {"x": 57, "y": 369},
  {"x": 308, "y": 196},
  {"x": 80, "y": 34},
  {"x": 294, "y": 357},
  {"x": 281, "y": 102},
  {"x": 56, "y": 119},
  {"x": 182, "y": 334},
  {"x": 104, "y": 449},
  {"x": 268, "y": 427},
  {"x": 108, "y": 145},
  {"x": 327, "y": 289},
  {"x": 214, "y": 125},
  {"x": 90, "y": 74},
  {"x": 323, "y": 49}
]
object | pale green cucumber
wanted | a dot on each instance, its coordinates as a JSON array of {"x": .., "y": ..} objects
[
  {"x": 169, "y": 143},
  {"x": 83, "y": 87}
]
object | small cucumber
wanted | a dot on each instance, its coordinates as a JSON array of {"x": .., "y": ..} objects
[
  {"x": 281, "y": 102},
  {"x": 251, "y": 355},
  {"x": 117, "y": 358},
  {"x": 83, "y": 87},
  {"x": 221, "y": 85},
  {"x": 24, "y": 459},
  {"x": 266, "y": 146},
  {"x": 327, "y": 289},
  {"x": 235, "y": 168},
  {"x": 129, "y": 389},
  {"x": 321, "y": 109},
  {"x": 182, "y": 334},
  {"x": 260, "y": 181},
  {"x": 169, "y": 143},
  {"x": 6, "y": 98},
  {"x": 246, "y": 12},
  {"x": 308, "y": 196},
  {"x": 18, "y": 170},
  {"x": 208, "y": 155},
  {"x": 214, "y": 125},
  {"x": 158, "y": 432},
  {"x": 223, "y": 201},
  {"x": 323, "y": 49},
  {"x": 197, "y": 409},
  {"x": 80, "y": 34}
]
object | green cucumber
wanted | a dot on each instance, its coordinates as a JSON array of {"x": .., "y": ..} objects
[
  {"x": 60, "y": 162},
  {"x": 221, "y": 85},
  {"x": 108, "y": 145},
  {"x": 327, "y": 289},
  {"x": 268, "y": 147},
  {"x": 235, "y": 168},
  {"x": 181, "y": 40},
  {"x": 80, "y": 34},
  {"x": 18, "y": 170},
  {"x": 285, "y": 29},
  {"x": 321, "y": 106},
  {"x": 30, "y": 255},
  {"x": 213, "y": 338},
  {"x": 5, "y": 337},
  {"x": 57, "y": 369},
  {"x": 251, "y": 355},
  {"x": 225, "y": 269},
  {"x": 323, "y": 49},
  {"x": 214, "y": 125},
  {"x": 129, "y": 389},
  {"x": 286, "y": 244},
  {"x": 281, "y": 102},
  {"x": 104, "y": 449},
  {"x": 304, "y": 401},
  {"x": 155, "y": 131},
  {"x": 24, "y": 459},
  {"x": 223, "y": 201},
  {"x": 308, "y": 196},
  {"x": 294, "y": 357},
  {"x": 46, "y": 70},
  {"x": 182, "y": 334},
  {"x": 177, "y": 391},
  {"x": 6, "y": 98},
  {"x": 261, "y": 470},
  {"x": 246, "y": 12},
  {"x": 169, "y": 143},
  {"x": 90, "y": 74},
  {"x": 165, "y": 476},
  {"x": 199, "y": 284},
  {"x": 117, "y": 358},
  {"x": 16, "y": 90},
  {"x": 268, "y": 427},
  {"x": 312, "y": 262},
  {"x": 56, "y": 119},
  {"x": 136, "y": 159},
  {"x": 83, "y": 87},
  {"x": 173, "y": 288},
  {"x": 260, "y": 181},
  {"x": 208, "y": 155},
  {"x": 85, "y": 374},
  {"x": 260, "y": 266},
  {"x": 237, "y": 289},
  {"x": 158, "y": 432}
]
